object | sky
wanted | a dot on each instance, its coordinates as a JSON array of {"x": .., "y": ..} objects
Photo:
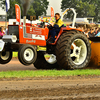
[
  {"x": 2, "y": 12},
  {"x": 56, "y": 4}
]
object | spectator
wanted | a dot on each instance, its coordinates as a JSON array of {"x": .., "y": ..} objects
[
  {"x": 82, "y": 28},
  {"x": 1, "y": 31},
  {"x": 78, "y": 27},
  {"x": 96, "y": 31},
  {"x": 91, "y": 33},
  {"x": 86, "y": 33},
  {"x": 98, "y": 34}
]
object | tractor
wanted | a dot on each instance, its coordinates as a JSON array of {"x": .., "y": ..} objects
[{"x": 71, "y": 49}]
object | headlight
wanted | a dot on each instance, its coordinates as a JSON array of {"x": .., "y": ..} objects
[{"x": 9, "y": 38}]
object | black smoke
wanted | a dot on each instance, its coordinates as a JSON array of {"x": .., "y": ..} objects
[{"x": 26, "y": 5}]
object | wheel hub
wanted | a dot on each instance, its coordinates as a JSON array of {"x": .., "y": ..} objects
[
  {"x": 28, "y": 54},
  {"x": 78, "y": 51},
  {"x": 3, "y": 53}
]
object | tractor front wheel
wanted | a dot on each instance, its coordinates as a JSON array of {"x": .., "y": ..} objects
[
  {"x": 27, "y": 54},
  {"x": 5, "y": 57}
]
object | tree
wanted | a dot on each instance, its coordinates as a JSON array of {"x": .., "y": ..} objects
[
  {"x": 37, "y": 7},
  {"x": 83, "y": 7},
  {"x": 68, "y": 4},
  {"x": 97, "y": 9},
  {"x": 40, "y": 7},
  {"x": 11, "y": 11}
]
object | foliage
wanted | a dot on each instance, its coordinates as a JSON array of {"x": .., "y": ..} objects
[
  {"x": 84, "y": 8},
  {"x": 44, "y": 73},
  {"x": 11, "y": 11},
  {"x": 37, "y": 7},
  {"x": 97, "y": 9},
  {"x": 40, "y": 7}
]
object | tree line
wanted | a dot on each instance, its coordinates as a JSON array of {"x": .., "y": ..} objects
[
  {"x": 37, "y": 8},
  {"x": 84, "y": 8}
]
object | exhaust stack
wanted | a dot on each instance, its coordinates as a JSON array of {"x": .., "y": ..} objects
[
  {"x": 24, "y": 21},
  {"x": 24, "y": 26},
  {"x": 26, "y": 5}
]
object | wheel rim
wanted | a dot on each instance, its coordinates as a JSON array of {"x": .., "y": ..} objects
[
  {"x": 28, "y": 54},
  {"x": 50, "y": 58},
  {"x": 78, "y": 51},
  {"x": 5, "y": 55}
]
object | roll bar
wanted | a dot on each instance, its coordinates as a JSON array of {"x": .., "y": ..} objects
[{"x": 74, "y": 19}]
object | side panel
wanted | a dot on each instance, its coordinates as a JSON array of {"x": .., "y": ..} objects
[
  {"x": 33, "y": 35},
  {"x": 37, "y": 31}
]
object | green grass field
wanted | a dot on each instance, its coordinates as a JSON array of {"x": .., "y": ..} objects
[{"x": 43, "y": 73}]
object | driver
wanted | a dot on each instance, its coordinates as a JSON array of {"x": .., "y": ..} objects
[{"x": 54, "y": 30}]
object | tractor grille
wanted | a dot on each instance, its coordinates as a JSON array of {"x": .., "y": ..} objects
[{"x": 13, "y": 30}]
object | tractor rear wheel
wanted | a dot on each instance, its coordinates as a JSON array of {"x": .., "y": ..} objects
[
  {"x": 27, "y": 54},
  {"x": 73, "y": 50},
  {"x": 45, "y": 61}
]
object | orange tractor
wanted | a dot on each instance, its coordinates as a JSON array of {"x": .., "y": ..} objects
[{"x": 71, "y": 49}]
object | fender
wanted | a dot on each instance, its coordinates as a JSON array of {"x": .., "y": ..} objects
[
  {"x": 2, "y": 44},
  {"x": 63, "y": 29}
]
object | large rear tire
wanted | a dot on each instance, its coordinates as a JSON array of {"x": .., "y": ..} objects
[
  {"x": 5, "y": 57},
  {"x": 73, "y": 50},
  {"x": 27, "y": 54},
  {"x": 42, "y": 63}
]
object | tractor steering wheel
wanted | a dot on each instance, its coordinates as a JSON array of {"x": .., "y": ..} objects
[
  {"x": 49, "y": 26},
  {"x": 42, "y": 24}
]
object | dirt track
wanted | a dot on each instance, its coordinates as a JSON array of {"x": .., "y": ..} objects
[
  {"x": 48, "y": 88},
  {"x": 14, "y": 64},
  {"x": 62, "y": 88}
]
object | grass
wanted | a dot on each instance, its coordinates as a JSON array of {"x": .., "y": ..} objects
[
  {"x": 15, "y": 54},
  {"x": 43, "y": 73},
  {"x": 53, "y": 73}
]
